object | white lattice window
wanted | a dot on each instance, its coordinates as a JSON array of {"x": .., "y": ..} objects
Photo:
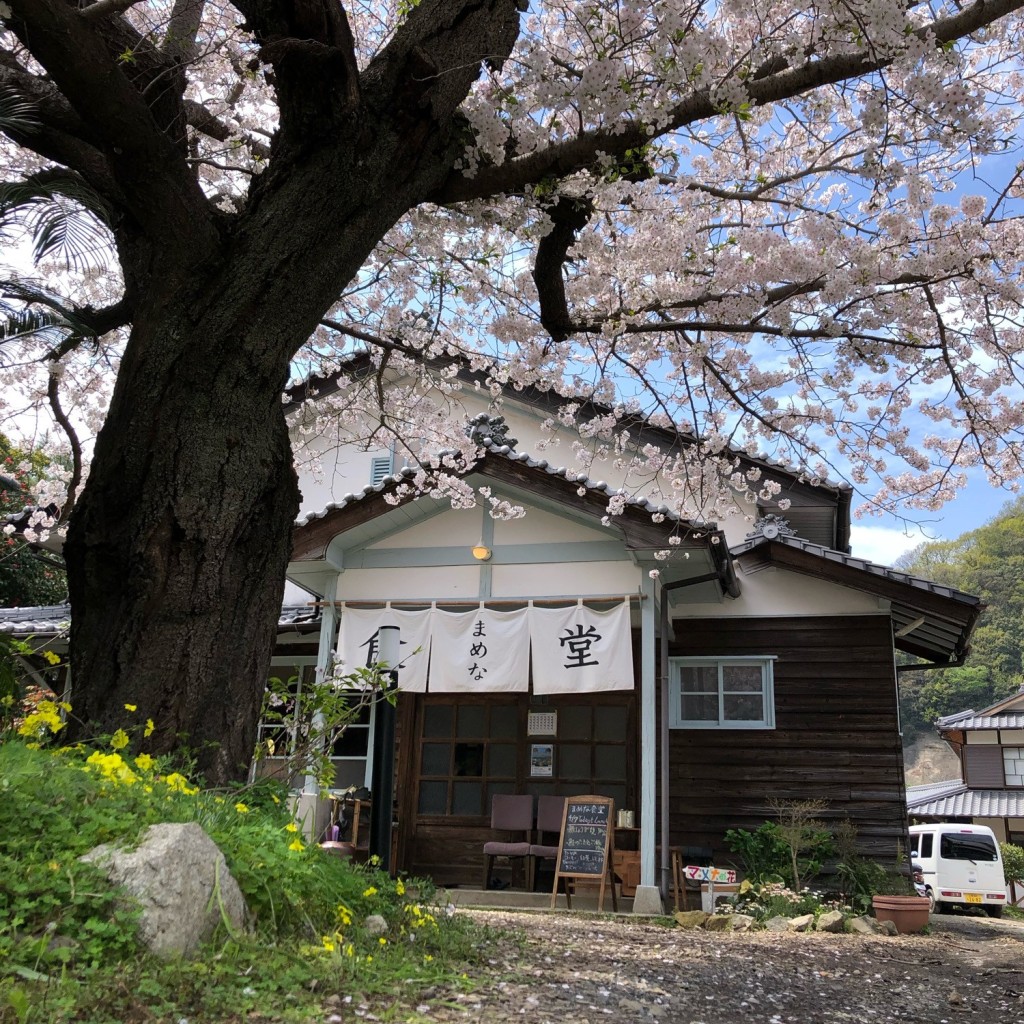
[{"x": 721, "y": 693}]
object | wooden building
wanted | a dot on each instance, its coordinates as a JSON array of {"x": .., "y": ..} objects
[{"x": 755, "y": 663}]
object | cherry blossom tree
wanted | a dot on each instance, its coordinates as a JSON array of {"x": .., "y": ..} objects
[{"x": 763, "y": 223}]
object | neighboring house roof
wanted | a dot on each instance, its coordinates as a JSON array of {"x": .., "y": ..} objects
[
  {"x": 957, "y": 801},
  {"x": 931, "y": 621},
  {"x": 795, "y": 485},
  {"x": 1006, "y": 713},
  {"x": 973, "y": 720},
  {"x": 48, "y": 620}
]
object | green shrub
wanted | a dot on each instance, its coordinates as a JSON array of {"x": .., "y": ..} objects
[
  {"x": 1013, "y": 861},
  {"x": 765, "y": 900},
  {"x": 68, "y": 943}
]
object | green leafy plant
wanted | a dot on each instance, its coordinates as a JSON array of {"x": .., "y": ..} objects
[
  {"x": 789, "y": 850},
  {"x": 304, "y": 719},
  {"x": 765, "y": 900}
]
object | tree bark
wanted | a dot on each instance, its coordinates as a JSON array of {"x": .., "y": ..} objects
[{"x": 178, "y": 548}]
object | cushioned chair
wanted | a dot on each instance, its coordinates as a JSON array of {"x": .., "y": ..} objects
[
  {"x": 509, "y": 813},
  {"x": 550, "y": 812}
]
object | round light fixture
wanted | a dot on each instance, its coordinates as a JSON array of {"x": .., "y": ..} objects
[{"x": 481, "y": 552}]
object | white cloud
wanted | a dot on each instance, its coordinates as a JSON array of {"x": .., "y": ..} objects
[{"x": 883, "y": 544}]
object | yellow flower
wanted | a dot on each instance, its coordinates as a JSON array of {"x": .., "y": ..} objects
[
  {"x": 145, "y": 762},
  {"x": 369, "y": 959},
  {"x": 119, "y": 740},
  {"x": 276, "y": 799},
  {"x": 131, "y": 707},
  {"x": 177, "y": 783},
  {"x": 427, "y": 958},
  {"x": 328, "y": 943},
  {"x": 344, "y": 915},
  {"x": 150, "y": 728},
  {"x": 383, "y": 941},
  {"x": 296, "y": 845},
  {"x": 53, "y": 865},
  {"x": 51, "y": 658},
  {"x": 350, "y": 949},
  {"x": 400, "y": 888},
  {"x": 64, "y": 706},
  {"x": 46, "y": 718},
  {"x": 241, "y": 808},
  {"x": 291, "y": 827},
  {"x": 372, "y": 891}
]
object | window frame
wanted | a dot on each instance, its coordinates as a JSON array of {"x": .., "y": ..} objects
[{"x": 766, "y": 662}]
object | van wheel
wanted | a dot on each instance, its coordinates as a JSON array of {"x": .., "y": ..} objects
[
  {"x": 934, "y": 906},
  {"x": 994, "y": 911}
]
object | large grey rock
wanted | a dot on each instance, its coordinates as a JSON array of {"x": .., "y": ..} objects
[
  {"x": 831, "y": 921},
  {"x": 865, "y": 926},
  {"x": 800, "y": 924},
  {"x": 180, "y": 879}
]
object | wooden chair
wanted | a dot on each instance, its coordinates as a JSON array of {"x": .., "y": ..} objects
[
  {"x": 681, "y": 856},
  {"x": 509, "y": 813},
  {"x": 550, "y": 812}
]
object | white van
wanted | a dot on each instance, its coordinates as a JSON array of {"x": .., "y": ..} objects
[{"x": 962, "y": 866}]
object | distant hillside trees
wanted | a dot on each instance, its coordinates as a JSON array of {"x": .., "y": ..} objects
[{"x": 988, "y": 562}]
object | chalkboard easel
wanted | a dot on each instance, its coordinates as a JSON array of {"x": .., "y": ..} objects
[{"x": 585, "y": 846}]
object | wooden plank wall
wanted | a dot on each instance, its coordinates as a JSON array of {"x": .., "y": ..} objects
[{"x": 836, "y": 734}]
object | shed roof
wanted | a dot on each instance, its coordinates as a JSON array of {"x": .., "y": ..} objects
[{"x": 931, "y": 621}]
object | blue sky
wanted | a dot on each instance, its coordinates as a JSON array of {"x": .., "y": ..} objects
[{"x": 884, "y": 540}]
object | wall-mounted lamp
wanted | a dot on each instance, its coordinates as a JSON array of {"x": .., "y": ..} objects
[{"x": 481, "y": 552}]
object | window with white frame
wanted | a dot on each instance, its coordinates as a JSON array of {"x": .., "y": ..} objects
[
  {"x": 721, "y": 693},
  {"x": 283, "y": 724},
  {"x": 1013, "y": 765}
]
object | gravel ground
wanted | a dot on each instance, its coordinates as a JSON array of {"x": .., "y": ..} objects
[{"x": 575, "y": 969}]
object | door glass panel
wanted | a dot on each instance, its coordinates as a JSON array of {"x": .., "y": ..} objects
[
  {"x": 466, "y": 797},
  {"x": 504, "y": 723},
  {"x": 574, "y": 723},
  {"x": 609, "y": 723},
  {"x": 501, "y": 759},
  {"x": 437, "y": 720},
  {"x": 436, "y": 758},
  {"x": 610, "y": 762},
  {"x": 433, "y": 798},
  {"x": 572, "y": 761},
  {"x": 472, "y": 722}
]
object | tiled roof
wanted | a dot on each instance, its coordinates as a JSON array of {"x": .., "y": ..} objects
[
  {"x": 961, "y": 802},
  {"x": 502, "y": 451},
  {"x": 50, "y": 619},
  {"x": 35, "y": 619},
  {"x": 972, "y": 720},
  {"x": 882, "y": 571}
]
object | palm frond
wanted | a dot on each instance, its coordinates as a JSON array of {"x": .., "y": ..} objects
[
  {"x": 17, "y": 114},
  {"x": 65, "y": 217}
]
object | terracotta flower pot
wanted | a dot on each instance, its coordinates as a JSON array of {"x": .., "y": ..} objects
[{"x": 908, "y": 913}]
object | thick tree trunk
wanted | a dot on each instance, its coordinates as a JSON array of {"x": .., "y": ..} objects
[{"x": 178, "y": 548}]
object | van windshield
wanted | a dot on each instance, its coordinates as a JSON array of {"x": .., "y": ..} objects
[{"x": 966, "y": 846}]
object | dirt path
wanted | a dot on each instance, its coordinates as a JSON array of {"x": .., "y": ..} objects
[{"x": 572, "y": 969}]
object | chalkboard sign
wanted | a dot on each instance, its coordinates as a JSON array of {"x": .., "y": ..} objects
[{"x": 585, "y": 845}]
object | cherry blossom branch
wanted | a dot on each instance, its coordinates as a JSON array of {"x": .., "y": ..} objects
[{"x": 562, "y": 159}]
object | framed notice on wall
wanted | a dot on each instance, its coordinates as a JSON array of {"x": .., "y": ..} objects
[
  {"x": 542, "y": 760},
  {"x": 542, "y": 723}
]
